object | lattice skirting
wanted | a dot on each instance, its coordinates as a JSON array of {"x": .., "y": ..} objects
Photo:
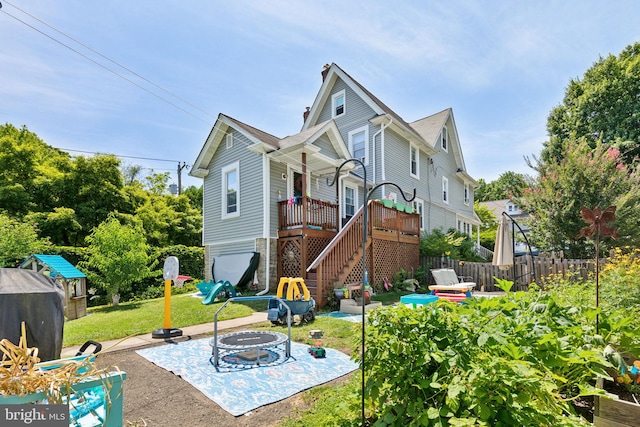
[
  {"x": 384, "y": 259},
  {"x": 389, "y": 258}
]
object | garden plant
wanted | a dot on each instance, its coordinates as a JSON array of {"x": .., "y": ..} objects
[{"x": 521, "y": 359}]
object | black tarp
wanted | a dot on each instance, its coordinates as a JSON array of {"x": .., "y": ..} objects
[
  {"x": 38, "y": 300},
  {"x": 237, "y": 269}
]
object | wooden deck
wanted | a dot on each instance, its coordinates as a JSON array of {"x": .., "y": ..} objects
[{"x": 309, "y": 245}]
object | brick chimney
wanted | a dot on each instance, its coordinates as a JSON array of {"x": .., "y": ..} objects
[
  {"x": 325, "y": 71},
  {"x": 306, "y": 114}
]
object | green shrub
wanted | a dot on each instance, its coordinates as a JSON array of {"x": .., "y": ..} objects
[
  {"x": 491, "y": 362},
  {"x": 453, "y": 244}
]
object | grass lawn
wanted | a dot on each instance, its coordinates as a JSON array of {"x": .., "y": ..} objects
[
  {"x": 327, "y": 403},
  {"x": 143, "y": 317}
]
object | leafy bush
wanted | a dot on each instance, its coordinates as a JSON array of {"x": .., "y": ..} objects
[
  {"x": 453, "y": 244},
  {"x": 619, "y": 285},
  {"x": 514, "y": 360},
  {"x": 191, "y": 258},
  {"x": 191, "y": 264},
  {"x": 158, "y": 291},
  {"x": 620, "y": 280}
]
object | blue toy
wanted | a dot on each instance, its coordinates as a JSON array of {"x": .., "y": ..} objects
[{"x": 211, "y": 290}]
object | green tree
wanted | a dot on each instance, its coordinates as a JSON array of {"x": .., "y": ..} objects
[
  {"x": 586, "y": 176},
  {"x": 489, "y": 225},
  {"x": 602, "y": 106},
  {"x": 18, "y": 240},
  {"x": 195, "y": 196},
  {"x": 507, "y": 186},
  {"x": 131, "y": 174},
  {"x": 30, "y": 171},
  {"x": 119, "y": 256},
  {"x": 453, "y": 244},
  {"x": 60, "y": 226},
  {"x": 157, "y": 183},
  {"x": 187, "y": 227},
  {"x": 93, "y": 188},
  {"x": 627, "y": 218}
]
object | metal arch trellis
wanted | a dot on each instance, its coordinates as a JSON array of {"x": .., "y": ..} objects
[{"x": 364, "y": 253}]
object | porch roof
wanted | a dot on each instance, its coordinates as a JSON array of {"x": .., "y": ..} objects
[{"x": 292, "y": 147}]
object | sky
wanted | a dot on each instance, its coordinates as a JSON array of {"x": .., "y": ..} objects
[{"x": 145, "y": 80}]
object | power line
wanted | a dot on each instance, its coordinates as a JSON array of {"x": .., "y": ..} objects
[
  {"x": 119, "y": 75},
  {"x": 112, "y": 61},
  {"x": 118, "y": 155},
  {"x": 105, "y": 67}
]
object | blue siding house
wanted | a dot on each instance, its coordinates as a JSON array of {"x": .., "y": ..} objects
[{"x": 270, "y": 194}]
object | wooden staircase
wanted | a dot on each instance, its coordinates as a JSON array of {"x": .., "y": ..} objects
[
  {"x": 393, "y": 242},
  {"x": 337, "y": 260}
]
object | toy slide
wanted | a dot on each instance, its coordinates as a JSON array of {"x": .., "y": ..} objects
[{"x": 220, "y": 286}]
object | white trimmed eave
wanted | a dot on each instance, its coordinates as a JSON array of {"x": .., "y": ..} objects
[
  {"x": 218, "y": 132},
  {"x": 261, "y": 148},
  {"x": 463, "y": 175},
  {"x": 200, "y": 166},
  {"x": 475, "y": 220},
  {"x": 323, "y": 95},
  {"x": 331, "y": 129},
  {"x": 405, "y": 132},
  {"x": 317, "y": 163}
]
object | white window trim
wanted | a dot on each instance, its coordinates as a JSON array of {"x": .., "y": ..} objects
[
  {"x": 229, "y": 141},
  {"x": 467, "y": 195},
  {"x": 412, "y": 147},
  {"x": 419, "y": 202},
  {"x": 223, "y": 183},
  {"x": 445, "y": 190},
  {"x": 444, "y": 139},
  {"x": 333, "y": 104},
  {"x": 366, "y": 142},
  {"x": 344, "y": 199}
]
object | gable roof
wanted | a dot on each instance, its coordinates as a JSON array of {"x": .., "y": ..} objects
[
  {"x": 431, "y": 126},
  {"x": 280, "y": 149},
  {"x": 303, "y": 142},
  {"x": 424, "y": 132},
  {"x": 380, "y": 108},
  {"x": 499, "y": 206},
  {"x": 58, "y": 266},
  {"x": 265, "y": 141}
]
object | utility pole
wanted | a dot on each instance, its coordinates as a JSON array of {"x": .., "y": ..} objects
[{"x": 180, "y": 168}]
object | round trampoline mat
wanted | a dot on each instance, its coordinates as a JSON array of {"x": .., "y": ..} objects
[{"x": 250, "y": 339}]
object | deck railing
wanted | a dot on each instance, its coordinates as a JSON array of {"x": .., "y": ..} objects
[
  {"x": 393, "y": 220},
  {"x": 307, "y": 212},
  {"x": 340, "y": 251}
]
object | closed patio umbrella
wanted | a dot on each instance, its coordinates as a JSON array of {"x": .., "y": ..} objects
[{"x": 503, "y": 251}]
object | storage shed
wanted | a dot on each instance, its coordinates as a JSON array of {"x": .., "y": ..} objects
[{"x": 72, "y": 280}]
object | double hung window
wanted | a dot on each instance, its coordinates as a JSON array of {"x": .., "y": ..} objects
[
  {"x": 231, "y": 190},
  {"x": 414, "y": 161},
  {"x": 445, "y": 190},
  {"x": 358, "y": 146},
  {"x": 338, "y": 104}
]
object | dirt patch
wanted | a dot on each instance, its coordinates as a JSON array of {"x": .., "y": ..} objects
[{"x": 155, "y": 397}]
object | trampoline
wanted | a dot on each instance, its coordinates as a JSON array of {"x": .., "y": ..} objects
[{"x": 249, "y": 348}]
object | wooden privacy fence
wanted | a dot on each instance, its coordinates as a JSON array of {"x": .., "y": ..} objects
[{"x": 483, "y": 273}]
